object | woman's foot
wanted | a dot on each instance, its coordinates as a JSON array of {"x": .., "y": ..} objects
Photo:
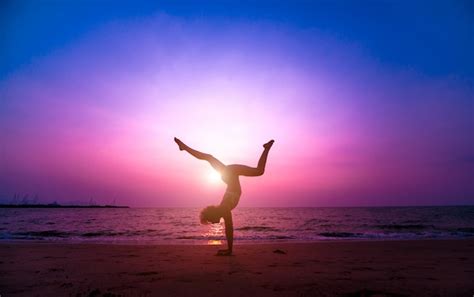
[
  {"x": 269, "y": 144},
  {"x": 181, "y": 145}
]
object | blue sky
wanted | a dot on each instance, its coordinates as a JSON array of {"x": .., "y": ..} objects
[{"x": 431, "y": 37}]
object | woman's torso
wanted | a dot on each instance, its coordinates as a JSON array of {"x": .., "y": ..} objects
[
  {"x": 233, "y": 192},
  {"x": 230, "y": 200}
]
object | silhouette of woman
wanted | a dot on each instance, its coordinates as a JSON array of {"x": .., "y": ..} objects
[{"x": 229, "y": 175}]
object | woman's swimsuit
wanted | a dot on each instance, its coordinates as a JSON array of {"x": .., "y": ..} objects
[{"x": 230, "y": 199}]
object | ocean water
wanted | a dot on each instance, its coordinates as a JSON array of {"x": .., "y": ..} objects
[{"x": 181, "y": 225}]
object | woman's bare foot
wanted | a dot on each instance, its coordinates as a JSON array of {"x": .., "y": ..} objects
[
  {"x": 181, "y": 145},
  {"x": 269, "y": 144}
]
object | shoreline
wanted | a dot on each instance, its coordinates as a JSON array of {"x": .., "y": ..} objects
[{"x": 328, "y": 268}]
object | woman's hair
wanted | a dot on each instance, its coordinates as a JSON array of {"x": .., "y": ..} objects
[{"x": 209, "y": 213}]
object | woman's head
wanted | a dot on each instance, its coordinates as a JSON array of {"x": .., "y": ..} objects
[{"x": 211, "y": 214}]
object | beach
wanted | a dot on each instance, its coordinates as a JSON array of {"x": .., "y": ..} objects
[{"x": 332, "y": 268}]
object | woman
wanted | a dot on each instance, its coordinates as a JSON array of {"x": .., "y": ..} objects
[{"x": 230, "y": 175}]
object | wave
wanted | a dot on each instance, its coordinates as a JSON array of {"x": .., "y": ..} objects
[
  {"x": 256, "y": 228},
  {"x": 236, "y": 238},
  {"x": 316, "y": 221},
  {"x": 465, "y": 230},
  {"x": 281, "y": 237},
  {"x": 48, "y": 233},
  {"x": 102, "y": 233},
  {"x": 61, "y": 234},
  {"x": 340, "y": 234},
  {"x": 202, "y": 237},
  {"x": 125, "y": 233},
  {"x": 404, "y": 227}
]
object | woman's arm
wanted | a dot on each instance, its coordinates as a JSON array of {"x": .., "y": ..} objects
[{"x": 229, "y": 233}]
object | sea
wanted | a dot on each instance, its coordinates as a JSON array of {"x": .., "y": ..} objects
[{"x": 251, "y": 225}]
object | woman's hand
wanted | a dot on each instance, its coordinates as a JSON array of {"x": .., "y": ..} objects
[{"x": 224, "y": 253}]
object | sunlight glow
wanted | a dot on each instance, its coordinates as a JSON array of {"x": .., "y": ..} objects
[{"x": 214, "y": 176}]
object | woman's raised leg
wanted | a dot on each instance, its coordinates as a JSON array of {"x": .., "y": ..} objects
[
  {"x": 215, "y": 163},
  {"x": 253, "y": 171}
]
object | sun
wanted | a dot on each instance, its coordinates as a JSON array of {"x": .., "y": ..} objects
[{"x": 214, "y": 176}]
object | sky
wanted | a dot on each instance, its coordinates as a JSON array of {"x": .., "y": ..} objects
[{"x": 370, "y": 103}]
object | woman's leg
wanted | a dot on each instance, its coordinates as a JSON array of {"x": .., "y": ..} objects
[
  {"x": 215, "y": 163},
  {"x": 253, "y": 171}
]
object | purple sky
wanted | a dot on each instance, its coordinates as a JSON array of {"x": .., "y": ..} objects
[{"x": 94, "y": 114}]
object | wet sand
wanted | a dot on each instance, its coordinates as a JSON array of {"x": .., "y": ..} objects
[{"x": 348, "y": 268}]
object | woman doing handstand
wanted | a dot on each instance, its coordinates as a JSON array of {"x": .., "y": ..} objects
[{"x": 229, "y": 175}]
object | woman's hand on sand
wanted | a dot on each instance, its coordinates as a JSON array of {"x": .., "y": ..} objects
[{"x": 224, "y": 253}]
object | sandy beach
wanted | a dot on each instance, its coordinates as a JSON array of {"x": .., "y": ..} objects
[{"x": 348, "y": 268}]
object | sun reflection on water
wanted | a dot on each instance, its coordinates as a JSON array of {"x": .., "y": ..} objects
[
  {"x": 214, "y": 242},
  {"x": 215, "y": 232}
]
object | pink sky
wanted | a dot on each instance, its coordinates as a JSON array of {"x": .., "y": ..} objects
[{"x": 96, "y": 119}]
